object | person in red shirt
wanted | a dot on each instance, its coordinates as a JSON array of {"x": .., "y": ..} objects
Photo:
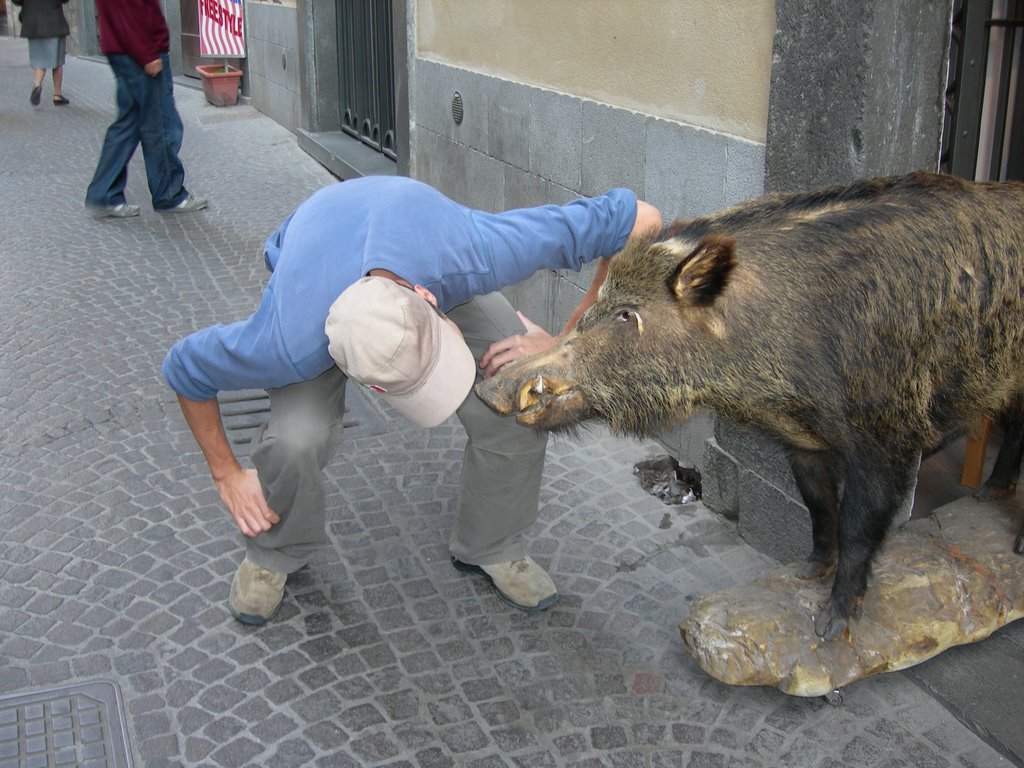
[{"x": 134, "y": 36}]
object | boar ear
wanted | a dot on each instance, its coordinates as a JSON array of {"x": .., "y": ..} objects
[{"x": 702, "y": 275}]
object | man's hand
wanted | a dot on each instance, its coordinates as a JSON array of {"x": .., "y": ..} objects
[
  {"x": 239, "y": 488},
  {"x": 243, "y": 496},
  {"x": 506, "y": 351},
  {"x": 154, "y": 67}
]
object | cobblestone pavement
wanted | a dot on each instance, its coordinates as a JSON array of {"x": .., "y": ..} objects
[{"x": 116, "y": 557}]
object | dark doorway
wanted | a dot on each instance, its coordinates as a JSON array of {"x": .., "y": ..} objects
[
  {"x": 366, "y": 73},
  {"x": 357, "y": 98},
  {"x": 190, "y": 38}
]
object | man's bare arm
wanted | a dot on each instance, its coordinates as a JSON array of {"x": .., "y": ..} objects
[
  {"x": 536, "y": 339},
  {"x": 239, "y": 488},
  {"x": 648, "y": 222}
]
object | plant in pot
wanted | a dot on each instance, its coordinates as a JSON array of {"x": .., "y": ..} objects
[{"x": 220, "y": 83}]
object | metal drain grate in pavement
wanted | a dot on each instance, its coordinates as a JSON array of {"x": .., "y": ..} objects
[
  {"x": 243, "y": 411},
  {"x": 74, "y": 725}
]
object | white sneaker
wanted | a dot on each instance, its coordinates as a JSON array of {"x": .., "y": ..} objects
[
  {"x": 119, "y": 211},
  {"x": 522, "y": 583},
  {"x": 189, "y": 204}
]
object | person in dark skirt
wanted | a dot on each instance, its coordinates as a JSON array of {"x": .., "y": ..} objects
[{"x": 44, "y": 25}]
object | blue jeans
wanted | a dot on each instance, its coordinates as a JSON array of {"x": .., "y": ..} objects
[{"x": 146, "y": 114}]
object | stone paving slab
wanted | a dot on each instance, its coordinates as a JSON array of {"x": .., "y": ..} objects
[{"x": 116, "y": 557}]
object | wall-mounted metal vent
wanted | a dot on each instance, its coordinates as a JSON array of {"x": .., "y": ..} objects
[{"x": 457, "y": 108}]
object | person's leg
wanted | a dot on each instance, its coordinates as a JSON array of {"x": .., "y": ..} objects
[
  {"x": 106, "y": 189},
  {"x": 161, "y": 131},
  {"x": 289, "y": 453},
  {"x": 57, "y": 72},
  {"x": 37, "y": 59},
  {"x": 37, "y": 86},
  {"x": 58, "y": 81},
  {"x": 501, "y": 474}
]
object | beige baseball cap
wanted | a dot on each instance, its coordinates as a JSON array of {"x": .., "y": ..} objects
[{"x": 391, "y": 340}]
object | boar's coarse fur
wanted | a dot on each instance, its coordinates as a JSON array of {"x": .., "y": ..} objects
[{"x": 859, "y": 325}]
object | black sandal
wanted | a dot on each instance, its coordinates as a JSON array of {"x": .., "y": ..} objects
[
  {"x": 33, "y": 98},
  {"x": 60, "y": 101}
]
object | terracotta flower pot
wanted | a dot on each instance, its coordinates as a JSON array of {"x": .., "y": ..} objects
[{"x": 220, "y": 83}]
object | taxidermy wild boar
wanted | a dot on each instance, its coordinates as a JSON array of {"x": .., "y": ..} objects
[{"x": 858, "y": 324}]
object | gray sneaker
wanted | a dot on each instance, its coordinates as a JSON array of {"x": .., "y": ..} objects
[
  {"x": 119, "y": 211},
  {"x": 189, "y": 204},
  {"x": 256, "y": 593}
]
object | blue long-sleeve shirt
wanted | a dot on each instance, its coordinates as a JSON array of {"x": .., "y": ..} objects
[{"x": 343, "y": 231}]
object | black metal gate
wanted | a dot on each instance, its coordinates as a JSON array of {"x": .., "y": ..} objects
[
  {"x": 983, "y": 135},
  {"x": 366, "y": 73}
]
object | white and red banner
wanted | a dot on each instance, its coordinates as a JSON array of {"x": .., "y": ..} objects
[{"x": 221, "y": 31}]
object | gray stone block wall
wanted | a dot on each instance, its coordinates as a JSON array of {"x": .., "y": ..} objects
[
  {"x": 905, "y": 94},
  {"x": 856, "y": 91},
  {"x": 693, "y": 171},
  {"x": 519, "y": 145},
  {"x": 747, "y": 478},
  {"x": 272, "y": 40}
]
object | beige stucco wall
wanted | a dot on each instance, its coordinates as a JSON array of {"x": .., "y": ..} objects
[{"x": 702, "y": 62}]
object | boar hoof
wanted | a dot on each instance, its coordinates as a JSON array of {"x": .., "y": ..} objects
[
  {"x": 813, "y": 569},
  {"x": 990, "y": 492},
  {"x": 828, "y": 624}
]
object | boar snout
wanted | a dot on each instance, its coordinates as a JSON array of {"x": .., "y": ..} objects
[
  {"x": 537, "y": 400},
  {"x": 537, "y": 391},
  {"x": 497, "y": 393}
]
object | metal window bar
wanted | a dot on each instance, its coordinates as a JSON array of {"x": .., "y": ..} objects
[
  {"x": 1005, "y": 36},
  {"x": 385, "y": 79},
  {"x": 984, "y": 105},
  {"x": 366, "y": 73}
]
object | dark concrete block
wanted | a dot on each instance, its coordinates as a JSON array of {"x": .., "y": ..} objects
[
  {"x": 720, "y": 480},
  {"x": 773, "y": 522},
  {"x": 975, "y": 682}
]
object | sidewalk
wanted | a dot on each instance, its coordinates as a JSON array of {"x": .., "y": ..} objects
[{"x": 116, "y": 557}]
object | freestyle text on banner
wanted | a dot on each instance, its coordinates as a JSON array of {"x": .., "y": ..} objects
[{"x": 221, "y": 28}]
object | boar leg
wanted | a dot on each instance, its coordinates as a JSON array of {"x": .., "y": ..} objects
[
  {"x": 873, "y": 490},
  {"x": 1002, "y": 482},
  {"x": 817, "y": 476}
]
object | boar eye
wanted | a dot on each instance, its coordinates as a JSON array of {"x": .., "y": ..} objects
[{"x": 628, "y": 315}]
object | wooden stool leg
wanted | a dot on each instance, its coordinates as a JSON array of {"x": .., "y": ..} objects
[{"x": 974, "y": 454}]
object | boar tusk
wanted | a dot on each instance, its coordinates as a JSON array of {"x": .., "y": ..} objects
[
  {"x": 639, "y": 323},
  {"x": 529, "y": 394}
]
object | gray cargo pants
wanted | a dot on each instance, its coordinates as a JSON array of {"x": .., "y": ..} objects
[{"x": 501, "y": 471}]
